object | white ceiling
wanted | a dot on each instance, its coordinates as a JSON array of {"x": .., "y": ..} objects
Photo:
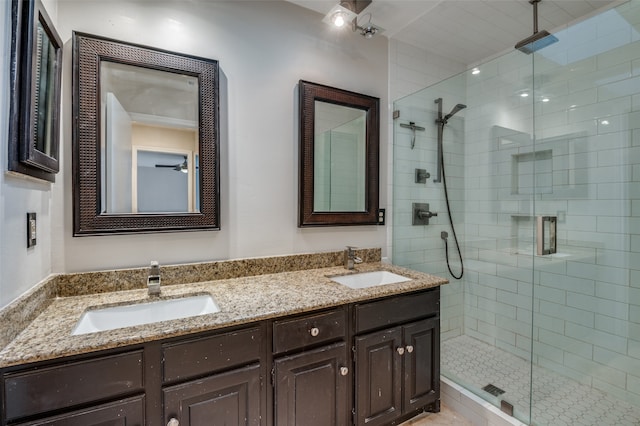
[{"x": 467, "y": 31}]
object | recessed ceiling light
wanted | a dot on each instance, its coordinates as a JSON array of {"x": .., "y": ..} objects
[
  {"x": 605, "y": 122},
  {"x": 475, "y": 71},
  {"x": 524, "y": 94},
  {"x": 545, "y": 99}
]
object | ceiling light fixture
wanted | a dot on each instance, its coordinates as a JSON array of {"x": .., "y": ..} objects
[
  {"x": 347, "y": 11},
  {"x": 338, "y": 19},
  {"x": 475, "y": 71},
  {"x": 339, "y": 15},
  {"x": 368, "y": 30}
]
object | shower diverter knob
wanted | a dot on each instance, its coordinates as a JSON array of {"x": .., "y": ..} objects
[{"x": 421, "y": 214}]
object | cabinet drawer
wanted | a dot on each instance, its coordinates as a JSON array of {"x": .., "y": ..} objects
[
  {"x": 373, "y": 315},
  {"x": 308, "y": 330},
  {"x": 66, "y": 385},
  {"x": 205, "y": 355},
  {"x": 129, "y": 411}
]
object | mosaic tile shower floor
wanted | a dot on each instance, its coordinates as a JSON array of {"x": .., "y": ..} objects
[{"x": 558, "y": 401}]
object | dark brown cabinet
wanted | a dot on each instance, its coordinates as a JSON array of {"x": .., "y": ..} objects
[
  {"x": 128, "y": 412},
  {"x": 73, "y": 386},
  {"x": 311, "y": 376},
  {"x": 398, "y": 368},
  {"x": 421, "y": 362},
  {"x": 312, "y": 388},
  {"x": 231, "y": 399},
  {"x": 214, "y": 377},
  {"x": 373, "y": 363},
  {"x": 378, "y": 377}
]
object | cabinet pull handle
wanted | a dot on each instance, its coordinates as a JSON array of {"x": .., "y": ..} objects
[
  {"x": 173, "y": 422},
  {"x": 344, "y": 371},
  {"x": 400, "y": 350},
  {"x": 314, "y": 331},
  {"x": 409, "y": 348}
]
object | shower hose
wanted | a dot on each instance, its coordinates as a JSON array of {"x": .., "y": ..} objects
[{"x": 453, "y": 229}]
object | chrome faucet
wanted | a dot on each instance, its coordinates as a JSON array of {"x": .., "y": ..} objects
[
  {"x": 153, "y": 280},
  {"x": 350, "y": 258}
]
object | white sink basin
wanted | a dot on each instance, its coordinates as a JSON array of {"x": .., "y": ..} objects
[
  {"x": 369, "y": 279},
  {"x": 114, "y": 317}
]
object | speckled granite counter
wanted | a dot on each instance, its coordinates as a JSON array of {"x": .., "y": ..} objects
[{"x": 241, "y": 300}]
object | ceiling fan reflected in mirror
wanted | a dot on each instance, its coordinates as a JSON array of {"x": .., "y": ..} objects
[{"x": 180, "y": 167}]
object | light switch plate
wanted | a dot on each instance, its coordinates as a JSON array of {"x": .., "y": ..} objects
[{"x": 31, "y": 229}]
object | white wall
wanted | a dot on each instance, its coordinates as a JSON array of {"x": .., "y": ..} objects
[
  {"x": 263, "y": 49},
  {"x": 20, "y": 268}
]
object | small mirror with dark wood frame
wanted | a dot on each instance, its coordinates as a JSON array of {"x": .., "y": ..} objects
[
  {"x": 339, "y": 157},
  {"x": 145, "y": 139},
  {"x": 36, "y": 69}
]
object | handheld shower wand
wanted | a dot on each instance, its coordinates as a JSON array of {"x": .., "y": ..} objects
[{"x": 441, "y": 122}]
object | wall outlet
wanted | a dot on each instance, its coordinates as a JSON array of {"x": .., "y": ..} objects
[{"x": 31, "y": 229}]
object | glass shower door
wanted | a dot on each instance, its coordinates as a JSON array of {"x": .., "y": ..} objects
[
  {"x": 586, "y": 349},
  {"x": 489, "y": 158}
]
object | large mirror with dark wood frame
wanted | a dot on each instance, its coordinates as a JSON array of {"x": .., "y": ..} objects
[
  {"x": 145, "y": 140},
  {"x": 339, "y": 157}
]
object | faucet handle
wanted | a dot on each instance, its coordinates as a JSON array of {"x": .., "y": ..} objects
[{"x": 351, "y": 248}]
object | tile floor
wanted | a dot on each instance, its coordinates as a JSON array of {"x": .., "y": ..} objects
[
  {"x": 446, "y": 417},
  {"x": 558, "y": 401}
]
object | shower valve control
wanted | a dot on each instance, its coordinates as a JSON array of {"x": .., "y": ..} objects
[
  {"x": 421, "y": 214},
  {"x": 422, "y": 175}
]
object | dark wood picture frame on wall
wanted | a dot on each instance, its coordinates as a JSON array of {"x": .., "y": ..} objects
[{"x": 35, "y": 84}]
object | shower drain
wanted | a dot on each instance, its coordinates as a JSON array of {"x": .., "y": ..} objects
[{"x": 493, "y": 390}]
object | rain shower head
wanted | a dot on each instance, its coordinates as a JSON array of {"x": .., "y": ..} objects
[
  {"x": 539, "y": 39},
  {"x": 536, "y": 42},
  {"x": 454, "y": 111}
]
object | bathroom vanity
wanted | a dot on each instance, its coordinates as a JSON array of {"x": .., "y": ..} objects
[{"x": 342, "y": 356}]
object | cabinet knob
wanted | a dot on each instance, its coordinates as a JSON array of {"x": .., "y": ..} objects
[
  {"x": 344, "y": 371},
  {"x": 400, "y": 350},
  {"x": 314, "y": 331},
  {"x": 409, "y": 348},
  {"x": 173, "y": 422}
]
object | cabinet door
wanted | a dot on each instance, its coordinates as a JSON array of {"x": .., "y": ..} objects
[
  {"x": 421, "y": 363},
  {"x": 378, "y": 377},
  {"x": 227, "y": 399},
  {"x": 313, "y": 388},
  {"x": 127, "y": 412}
]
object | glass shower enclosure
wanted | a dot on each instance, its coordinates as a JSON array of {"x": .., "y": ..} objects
[{"x": 543, "y": 176}]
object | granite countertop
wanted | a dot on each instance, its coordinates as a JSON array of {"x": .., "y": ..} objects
[{"x": 241, "y": 300}]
